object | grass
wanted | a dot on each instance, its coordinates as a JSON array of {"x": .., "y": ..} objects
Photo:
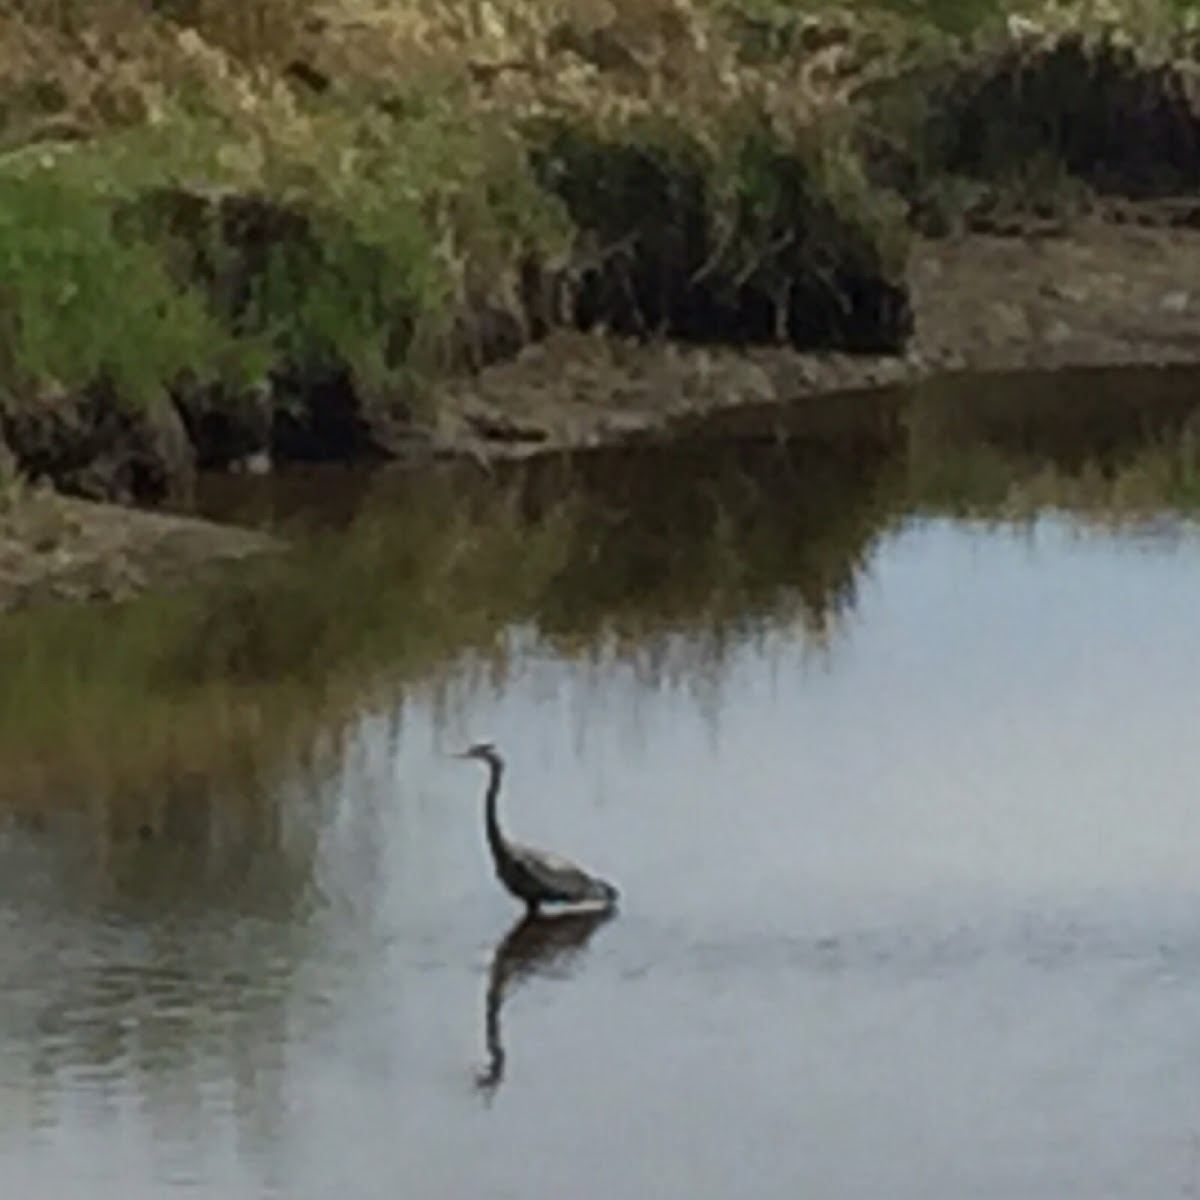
[
  {"x": 196, "y": 191},
  {"x": 361, "y": 224},
  {"x": 71, "y": 283},
  {"x": 392, "y": 149},
  {"x": 363, "y": 227}
]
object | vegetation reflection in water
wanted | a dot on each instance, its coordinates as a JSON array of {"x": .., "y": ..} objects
[
  {"x": 656, "y": 557},
  {"x": 200, "y": 718},
  {"x": 239, "y": 673}
]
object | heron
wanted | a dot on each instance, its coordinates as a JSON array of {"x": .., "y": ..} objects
[{"x": 535, "y": 877}]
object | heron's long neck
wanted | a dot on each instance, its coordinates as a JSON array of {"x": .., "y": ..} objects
[{"x": 494, "y": 836}]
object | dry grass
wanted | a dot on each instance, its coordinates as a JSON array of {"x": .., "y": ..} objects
[
  {"x": 77, "y": 68},
  {"x": 404, "y": 137}
]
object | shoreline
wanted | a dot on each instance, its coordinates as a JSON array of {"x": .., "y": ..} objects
[
  {"x": 59, "y": 549},
  {"x": 1102, "y": 295},
  {"x": 355, "y": 244},
  {"x": 430, "y": 237}
]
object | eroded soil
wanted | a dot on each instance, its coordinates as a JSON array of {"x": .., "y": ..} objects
[
  {"x": 54, "y": 547},
  {"x": 1110, "y": 292}
]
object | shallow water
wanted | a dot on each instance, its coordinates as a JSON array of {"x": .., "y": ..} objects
[{"x": 909, "y": 883}]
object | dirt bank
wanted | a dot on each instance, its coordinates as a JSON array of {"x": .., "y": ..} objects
[
  {"x": 1116, "y": 289},
  {"x": 54, "y": 547}
]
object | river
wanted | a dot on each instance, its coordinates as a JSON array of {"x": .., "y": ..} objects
[{"x": 881, "y": 715}]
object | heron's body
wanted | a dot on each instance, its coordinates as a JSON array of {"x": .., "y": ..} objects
[{"x": 535, "y": 877}]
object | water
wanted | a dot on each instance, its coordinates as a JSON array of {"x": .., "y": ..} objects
[{"x": 904, "y": 819}]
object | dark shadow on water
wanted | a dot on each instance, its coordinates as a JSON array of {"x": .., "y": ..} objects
[{"x": 543, "y": 945}]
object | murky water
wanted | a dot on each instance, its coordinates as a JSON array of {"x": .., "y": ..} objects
[{"x": 903, "y": 808}]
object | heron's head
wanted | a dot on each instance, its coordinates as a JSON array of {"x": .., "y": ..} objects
[{"x": 482, "y": 751}]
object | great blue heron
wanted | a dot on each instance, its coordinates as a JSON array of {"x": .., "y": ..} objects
[{"x": 534, "y": 876}]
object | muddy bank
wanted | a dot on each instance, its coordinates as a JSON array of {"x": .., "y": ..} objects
[
  {"x": 57, "y": 548},
  {"x": 1113, "y": 290},
  {"x": 1108, "y": 292}
]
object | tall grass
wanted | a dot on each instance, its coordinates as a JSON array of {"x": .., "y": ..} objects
[
  {"x": 378, "y": 221},
  {"x": 399, "y": 190},
  {"x": 398, "y": 141}
]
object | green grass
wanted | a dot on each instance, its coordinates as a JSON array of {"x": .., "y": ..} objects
[
  {"x": 394, "y": 202},
  {"x": 117, "y": 262}
]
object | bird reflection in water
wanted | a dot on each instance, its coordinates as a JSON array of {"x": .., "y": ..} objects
[{"x": 534, "y": 945}]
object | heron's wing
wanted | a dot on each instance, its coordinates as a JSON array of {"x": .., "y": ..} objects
[{"x": 556, "y": 873}]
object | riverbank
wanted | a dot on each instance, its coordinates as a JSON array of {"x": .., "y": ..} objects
[
  {"x": 1107, "y": 293},
  {"x": 1116, "y": 289},
  {"x": 59, "y": 548},
  {"x": 242, "y": 239},
  {"x": 308, "y": 232}
]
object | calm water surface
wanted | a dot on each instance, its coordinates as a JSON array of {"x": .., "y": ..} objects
[{"x": 911, "y": 902}]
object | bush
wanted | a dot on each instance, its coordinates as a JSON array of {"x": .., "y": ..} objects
[
  {"x": 747, "y": 235},
  {"x": 78, "y": 302}
]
